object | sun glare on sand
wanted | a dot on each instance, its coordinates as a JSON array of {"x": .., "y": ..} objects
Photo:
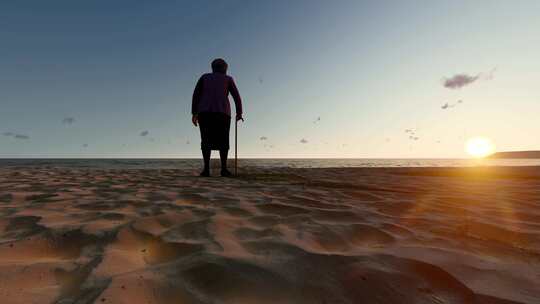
[{"x": 480, "y": 147}]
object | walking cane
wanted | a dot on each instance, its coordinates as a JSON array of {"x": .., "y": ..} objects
[{"x": 236, "y": 146}]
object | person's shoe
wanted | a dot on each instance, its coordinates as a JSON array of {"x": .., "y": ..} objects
[
  {"x": 205, "y": 173},
  {"x": 225, "y": 173}
]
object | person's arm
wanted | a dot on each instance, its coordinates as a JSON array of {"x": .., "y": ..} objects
[
  {"x": 237, "y": 99},
  {"x": 195, "y": 101}
]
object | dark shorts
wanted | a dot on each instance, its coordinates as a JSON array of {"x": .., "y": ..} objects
[{"x": 214, "y": 129}]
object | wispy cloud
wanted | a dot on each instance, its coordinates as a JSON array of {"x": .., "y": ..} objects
[
  {"x": 489, "y": 75},
  {"x": 448, "y": 105},
  {"x": 144, "y": 133},
  {"x": 21, "y": 136},
  {"x": 68, "y": 120},
  {"x": 16, "y": 135},
  {"x": 458, "y": 81}
]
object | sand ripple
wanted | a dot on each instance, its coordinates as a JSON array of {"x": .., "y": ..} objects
[{"x": 380, "y": 235}]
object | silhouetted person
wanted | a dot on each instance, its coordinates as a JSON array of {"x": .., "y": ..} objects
[{"x": 211, "y": 109}]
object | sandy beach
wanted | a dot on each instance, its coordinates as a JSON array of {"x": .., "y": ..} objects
[{"x": 356, "y": 235}]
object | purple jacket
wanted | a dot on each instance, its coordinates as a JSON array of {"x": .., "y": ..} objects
[{"x": 211, "y": 94}]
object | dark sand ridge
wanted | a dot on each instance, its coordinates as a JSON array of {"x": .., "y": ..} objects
[{"x": 400, "y": 235}]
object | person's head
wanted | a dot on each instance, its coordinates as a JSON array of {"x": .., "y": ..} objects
[{"x": 219, "y": 66}]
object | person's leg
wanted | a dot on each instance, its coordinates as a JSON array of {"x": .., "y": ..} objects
[
  {"x": 225, "y": 125},
  {"x": 206, "y": 157},
  {"x": 223, "y": 154},
  {"x": 205, "y": 147}
]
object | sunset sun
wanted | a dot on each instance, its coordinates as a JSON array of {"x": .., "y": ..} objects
[{"x": 480, "y": 147}]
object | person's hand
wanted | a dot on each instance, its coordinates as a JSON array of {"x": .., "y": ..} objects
[
  {"x": 195, "y": 119},
  {"x": 239, "y": 117}
]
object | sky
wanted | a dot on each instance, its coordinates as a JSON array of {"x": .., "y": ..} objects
[{"x": 354, "y": 79}]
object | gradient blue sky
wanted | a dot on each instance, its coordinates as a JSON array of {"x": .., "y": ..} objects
[{"x": 368, "y": 69}]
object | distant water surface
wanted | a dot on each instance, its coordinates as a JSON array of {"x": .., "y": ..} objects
[{"x": 264, "y": 163}]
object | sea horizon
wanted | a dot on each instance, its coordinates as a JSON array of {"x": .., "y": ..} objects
[{"x": 195, "y": 163}]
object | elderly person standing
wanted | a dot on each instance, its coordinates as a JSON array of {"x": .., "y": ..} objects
[{"x": 211, "y": 111}]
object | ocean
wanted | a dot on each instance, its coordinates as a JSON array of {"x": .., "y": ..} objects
[{"x": 262, "y": 163}]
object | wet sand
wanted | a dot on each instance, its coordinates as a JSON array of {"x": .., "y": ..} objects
[{"x": 363, "y": 235}]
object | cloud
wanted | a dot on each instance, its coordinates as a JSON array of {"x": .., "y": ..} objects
[
  {"x": 447, "y": 105},
  {"x": 458, "y": 81},
  {"x": 489, "y": 75},
  {"x": 263, "y": 138},
  {"x": 16, "y": 135},
  {"x": 144, "y": 133},
  {"x": 21, "y": 136},
  {"x": 303, "y": 141},
  {"x": 68, "y": 120}
]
